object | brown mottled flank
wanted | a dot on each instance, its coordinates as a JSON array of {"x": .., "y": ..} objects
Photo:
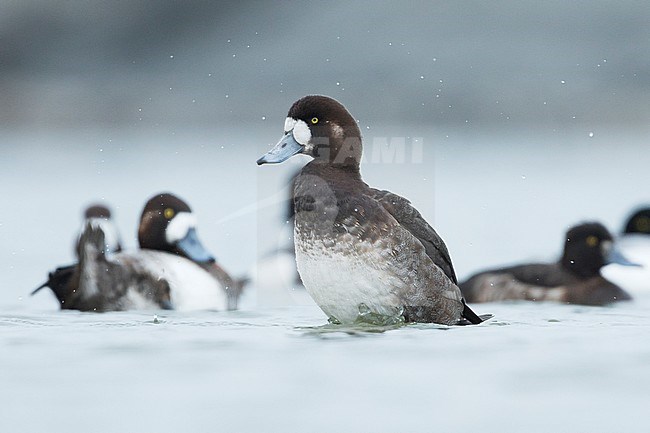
[{"x": 345, "y": 218}]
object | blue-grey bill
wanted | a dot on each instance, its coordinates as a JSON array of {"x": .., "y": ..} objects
[
  {"x": 285, "y": 149},
  {"x": 193, "y": 249},
  {"x": 615, "y": 256}
]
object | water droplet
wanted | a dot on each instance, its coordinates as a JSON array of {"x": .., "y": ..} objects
[
  {"x": 263, "y": 117},
  {"x": 155, "y": 319},
  {"x": 591, "y": 134},
  {"x": 523, "y": 177},
  {"x": 421, "y": 77},
  {"x": 171, "y": 57},
  {"x": 563, "y": 82}
]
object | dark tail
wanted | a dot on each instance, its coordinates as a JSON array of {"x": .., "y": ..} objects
[
  {"x": 60, "y": 281},
  {"x": 471, "y": 316},
  {"x": 38, "y": 289}
]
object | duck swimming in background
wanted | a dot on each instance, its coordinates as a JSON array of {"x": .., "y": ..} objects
[
  {"x": 574, "y": 279},
  {"x": 64, "y": 280},
  {"x": 635, "y": 244},
  {"x": 171, "y": 270},
  {"x": 101, "y": 215},
  {"x": 168, "y": 224},
  {"x": 361, "y": 252}
]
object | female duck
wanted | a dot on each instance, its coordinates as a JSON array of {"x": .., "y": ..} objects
[
  {"x": 359, "y": 250},
  {"x": 64, "y": 280},
  {"x": 574, "y": 279}
]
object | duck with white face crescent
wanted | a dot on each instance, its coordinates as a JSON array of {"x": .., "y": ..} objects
[
  {"x": 171, "y": 270},
  {"x": 360, "y": 250}
]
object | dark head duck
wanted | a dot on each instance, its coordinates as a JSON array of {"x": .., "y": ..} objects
[
  {"x": 171, "y": 254},
  {"x": 574, "y": 279},
  {"x": 64, "y": 280},
  {"x": 361, "y": 253},
  {"x": 322, "y": 128},
  {"x": 99, "y": 214},
  {"x": 588, "y": 248},
  {"x": 168, "y": 224},
  {"x": 638, "y": 223}
]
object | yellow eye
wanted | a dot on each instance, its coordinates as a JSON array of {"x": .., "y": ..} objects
[
  {"x": 314, "y": 120},
  {"x": 169, "y": 213},
  {"x": 592, "y": 241}
]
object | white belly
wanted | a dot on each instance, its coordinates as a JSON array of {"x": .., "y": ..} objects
[{"x": 345, "y": 282}]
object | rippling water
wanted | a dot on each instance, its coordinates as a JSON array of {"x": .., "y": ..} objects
[{"x": 532, "y": 368}]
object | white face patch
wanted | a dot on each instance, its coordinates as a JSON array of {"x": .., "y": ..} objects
[
  {"x": 179, "y": 226},
  {"x": 289, "y": 123},
  {"x": 301, "y": 133}
]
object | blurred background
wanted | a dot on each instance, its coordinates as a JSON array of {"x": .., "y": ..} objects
[{"x": 504, "y": 122}]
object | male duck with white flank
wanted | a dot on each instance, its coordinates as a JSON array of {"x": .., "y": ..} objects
[
  {"x": 574, "y": 279},
  {"x": 171, "y": 270},
  {"x": 360, "y": 250}
]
